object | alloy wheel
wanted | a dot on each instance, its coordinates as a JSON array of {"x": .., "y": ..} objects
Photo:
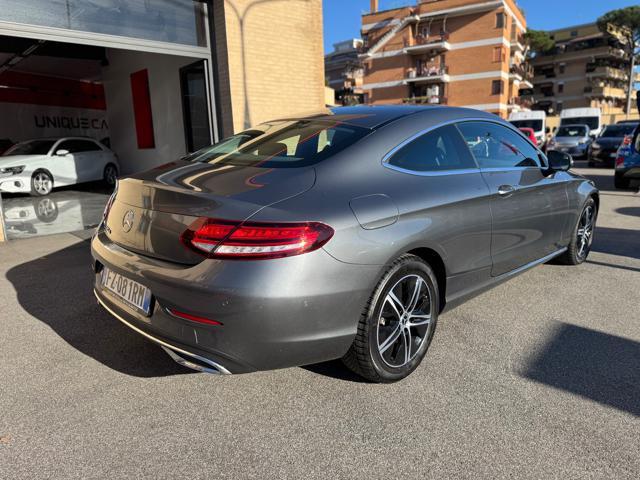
[
  {"x": 404, "y": 321},
  {"x": 42, "y": 183},
  {"x": 585, "y": 231},
  {"x": 110, "y": 175}
]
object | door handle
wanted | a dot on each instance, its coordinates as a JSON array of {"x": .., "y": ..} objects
[{"x": 505, "y": 190}]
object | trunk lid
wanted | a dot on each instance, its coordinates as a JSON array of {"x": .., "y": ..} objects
[{"x": 152, "y": 209}]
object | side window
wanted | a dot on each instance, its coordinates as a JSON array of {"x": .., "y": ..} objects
[
  {"x": 495, "y": 146},
  {"x": 85, "y": 146},
  {"x": 441, "y": 149},
  {"x": 78, "y": 146}
]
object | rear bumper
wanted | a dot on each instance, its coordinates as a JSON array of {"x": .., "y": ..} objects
[
  {"x": 274, "y": 313},
  {"x": 632, "y": 173},
  {"x": 606, "y": 156}
]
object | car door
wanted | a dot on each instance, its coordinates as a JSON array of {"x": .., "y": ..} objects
[
  {"x": 63, "y": 166},
  {"x": 443, "y": 191},
  {"x": 89, "y": 160},
  {"x": 529, "y": 207}
]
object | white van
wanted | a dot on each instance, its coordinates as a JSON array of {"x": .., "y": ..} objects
[
  {"x": 536, "y": 120},
  {"x": 583, "y": 116}
]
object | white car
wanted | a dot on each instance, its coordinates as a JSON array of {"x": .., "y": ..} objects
[{"x": 37, "y": 166}]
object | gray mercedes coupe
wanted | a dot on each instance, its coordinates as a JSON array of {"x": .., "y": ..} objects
[{"x": 337, "y": 235}]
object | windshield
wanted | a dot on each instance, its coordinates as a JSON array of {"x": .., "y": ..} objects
[
  {"x": 284, "y": 144},
  {"x": 536, "y": 125},
  {"x": 572, "y": 131},
  {"x": 619, "y": 130},
  {"x": 32, "y": 147},
  {"x": 593, "y": 122}
]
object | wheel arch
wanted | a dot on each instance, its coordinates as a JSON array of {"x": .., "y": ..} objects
[{"x": 437, "y": 264}]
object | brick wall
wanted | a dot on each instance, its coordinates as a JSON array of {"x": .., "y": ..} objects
[{"x": 275, "y": 58}]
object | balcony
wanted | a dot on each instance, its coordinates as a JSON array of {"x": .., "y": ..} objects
[
  {"x": 604, "y": 92},
  {"x": 518, "y": 42},
  {"x": 427, "y": 74},
  {"x": 523, "y": 72},
  {"x": 432, "y": 43},
  {"x": 606, "y": 72},
  {"x": 426, "y": 100},
  {"x": 521, "y": 103}
]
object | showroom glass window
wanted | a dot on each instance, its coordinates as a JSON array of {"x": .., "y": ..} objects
[
  {"x": 495, "y": 146},
  {"x": 170, "y": 21},
  {"x": 441, "y": 149}
]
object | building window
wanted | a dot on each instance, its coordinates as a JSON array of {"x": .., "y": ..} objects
[
  {"x": 499, "y": 54},
  {"x": 560, "y": 87},
  {"x": 497, "y": 87},
  {"x": 562, "y": 68},
  {"x": 500, "y": 20}
]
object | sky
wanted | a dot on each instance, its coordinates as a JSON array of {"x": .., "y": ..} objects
[{"x": 342, "y": 17}]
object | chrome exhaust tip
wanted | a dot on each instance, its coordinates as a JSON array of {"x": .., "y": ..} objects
[{"x": 198, "y": 363}]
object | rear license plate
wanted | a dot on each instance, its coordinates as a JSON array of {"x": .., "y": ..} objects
[
  {"x": 613, "y": 155},
  {"x": 131, "y": 292}
]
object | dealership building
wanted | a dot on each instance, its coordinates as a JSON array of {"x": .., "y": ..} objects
[{"x": 152, "y": 79}]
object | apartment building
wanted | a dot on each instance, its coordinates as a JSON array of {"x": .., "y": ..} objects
[
  {"x": 587, "y": 68},
  {"x": 344, "y": 73},
  {"x": 455, "y": 52}
]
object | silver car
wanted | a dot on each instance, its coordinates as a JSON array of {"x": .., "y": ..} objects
[
  {"x": 571, "y": 139},
  {"x": 339, "y": 235}
]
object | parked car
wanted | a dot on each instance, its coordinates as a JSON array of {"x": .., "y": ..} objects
[
  {"x": 37, "y": 166},
  {"x": 530, "y": 134},
  {"x": 338, "y": 235},
  {"x": 628, "y": 161},
  {"x": 604, "y": 149},
  {"x": 571, "y": 139}
]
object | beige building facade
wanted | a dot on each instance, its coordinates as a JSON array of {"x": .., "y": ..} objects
[
  {"x": 270, "y": 60},
  {"x": 453, "y": 52},
  {"x": 587, "y": 68}
]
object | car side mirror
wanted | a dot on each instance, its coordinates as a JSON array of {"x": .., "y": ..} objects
[
  {"x": 62, "y": 152},
  {"x": 559, "y": 161}
]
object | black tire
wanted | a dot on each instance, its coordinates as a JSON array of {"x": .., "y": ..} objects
[
  {"x": 365, "y": 357},
  {"x": 110, "y": 175},
  {"x": 620, "y": 182},
  {"x": 41, "y": 183},
  {"x": 576, "y": 253}
]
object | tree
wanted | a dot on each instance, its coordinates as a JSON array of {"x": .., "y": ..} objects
[
  {"x": 628, "y": 21},
  {"x": 539, "y": 41}
]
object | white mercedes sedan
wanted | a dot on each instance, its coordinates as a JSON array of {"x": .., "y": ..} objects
[{"x": 38, "y": 166}]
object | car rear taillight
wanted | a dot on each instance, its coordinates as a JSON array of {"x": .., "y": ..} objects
[
  {"x": 225, "y": 239},
  {"x": 193, "y": 318},
  {"x": 619, "y": 161}
]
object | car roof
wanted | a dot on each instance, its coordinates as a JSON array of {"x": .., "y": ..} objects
[{"x": 377, "y": 116}]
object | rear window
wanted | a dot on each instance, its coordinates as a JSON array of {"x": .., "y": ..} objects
[
  {"x": 618, "y": 130},
  {"x": 534, "y": 124},
  {"x": 283, "y": 144}
]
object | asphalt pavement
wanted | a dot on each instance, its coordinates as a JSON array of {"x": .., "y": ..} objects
[{"x": 538, "y": 378}]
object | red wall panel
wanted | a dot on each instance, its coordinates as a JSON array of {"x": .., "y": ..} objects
[{"x": 142, "y": 109}]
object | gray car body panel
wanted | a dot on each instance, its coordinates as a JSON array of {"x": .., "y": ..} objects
[{"x": 305, "y": 309}]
